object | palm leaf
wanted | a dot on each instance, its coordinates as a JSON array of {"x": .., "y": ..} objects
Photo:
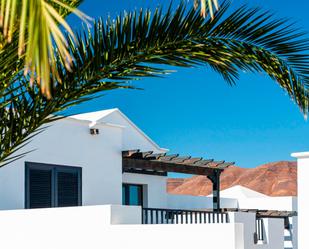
[
  {"x": 205, "y": 6},
  {"x": 38, "y": 24},
  {"x": 246, "y": 40},
  {"x": 139, "y": 44}
]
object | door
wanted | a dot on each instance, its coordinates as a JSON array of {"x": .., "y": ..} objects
[
  {"x": 132, "y": 194},
  {"x": 52, "y": 186}
]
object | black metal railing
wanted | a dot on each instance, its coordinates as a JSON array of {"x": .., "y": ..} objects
[
  {"x": 178, "y": 216},
  {"x": 259, "y": 234}
]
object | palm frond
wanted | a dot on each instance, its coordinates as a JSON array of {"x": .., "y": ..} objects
[
  {"x": 38, "y": 24},
  {"x": 139, "y": 44},
  {"x": 207, "y": 5},
  {"x": 248, "y": 40}
]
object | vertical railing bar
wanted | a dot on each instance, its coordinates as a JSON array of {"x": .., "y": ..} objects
[
  {"x": 182, "y": 217},
  {"x": 146, "y": 216},
  {"x": 157, "y": 216},
  {"x": 151, "y": 216},
  {"x": 161, "y": 213},
  {"x": 262, "y": 230},
  {"x": 143, "y": 211}
]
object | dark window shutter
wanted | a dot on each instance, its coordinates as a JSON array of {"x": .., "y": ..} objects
[
  {"x": 40, "y": 188},
  {"x": 68, "y": 189}
]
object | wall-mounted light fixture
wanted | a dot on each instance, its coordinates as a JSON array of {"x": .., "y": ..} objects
[{"x": 94, "y": 131}]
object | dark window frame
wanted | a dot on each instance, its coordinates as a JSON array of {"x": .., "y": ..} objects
[
  {"x": 54, "y": 168},
  {"x": 127, "y": 193}
]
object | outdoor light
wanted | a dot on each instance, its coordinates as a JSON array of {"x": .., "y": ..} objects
[{"x": 94, "y": 131}]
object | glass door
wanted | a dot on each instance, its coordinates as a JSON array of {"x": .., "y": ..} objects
[{"x": 132, "y": 194}]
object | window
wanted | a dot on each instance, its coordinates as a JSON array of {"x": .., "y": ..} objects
[
  {"x": 132, "y": 194},
  {"x": 52, "y": 186}
]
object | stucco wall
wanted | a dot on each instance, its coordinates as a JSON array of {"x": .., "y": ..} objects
[
  {"x": 303, "y": 198},
  {"x": 286, "y": 203},
  {"x": 69, "y": 143},
  {"x": 155, "y": 195},
  {"x": 89, "y": 227},
  {"x": 197, "y": 202},
  {"x": 132, "y": 137},
  {"x": 273, "y": 228}
]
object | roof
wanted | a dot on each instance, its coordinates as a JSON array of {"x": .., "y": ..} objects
[
  {"x": 100, "y": 117},
  {"x": 239, "y": 192},
  {"x": 94, "y": 117}
]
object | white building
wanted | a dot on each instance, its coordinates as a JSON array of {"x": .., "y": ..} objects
[{"x": 115, "y": 175}]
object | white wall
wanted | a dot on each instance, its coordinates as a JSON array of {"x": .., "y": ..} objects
[
  {"x": 133, "y": 137},
  {"x": 197, "y": 202},
  {"x": 89, "y": 227},
  {"x": 274, "y": 231},
  {"x": 285, "y": 203},
  {"x": 68, "y": 142},
  {"x": 303, "y": 198},
  {"x": 155, "y": 195}
]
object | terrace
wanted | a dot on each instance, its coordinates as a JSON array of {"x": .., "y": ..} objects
[{"x": 135, "y": 161}]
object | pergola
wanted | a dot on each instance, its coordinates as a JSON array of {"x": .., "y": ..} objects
[{"x": 134, "y": 161}]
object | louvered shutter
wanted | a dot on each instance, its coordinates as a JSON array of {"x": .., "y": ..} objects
[
  {"x": 68, "y": 189},
  {"x": 40, "y": 188}
]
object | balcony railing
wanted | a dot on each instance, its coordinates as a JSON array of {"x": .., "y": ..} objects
[{"x": 178, "y": 216}]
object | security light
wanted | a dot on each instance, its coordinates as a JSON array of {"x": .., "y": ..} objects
[{"x": 94, "y": 131}]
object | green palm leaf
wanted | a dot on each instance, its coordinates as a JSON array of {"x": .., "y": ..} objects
[
  {"x": 139, "y": 44},
  {"x": 205, "y": 6},
  {"x": 247, "y": 40},
  {"x": 38, "y": 24}
]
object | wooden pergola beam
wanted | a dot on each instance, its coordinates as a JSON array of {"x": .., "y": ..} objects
[
  {"x": 135, "y": 161},
  {"x": 160, "y": 166}
]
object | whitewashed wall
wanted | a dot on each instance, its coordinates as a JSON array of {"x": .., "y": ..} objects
[
  {"x": 274, "y": 231},
  {"x": 155, "y": 195},
  {"x": 89, "y": 227},
  {"x": 286, "y": 203},
  {"x": 197, "y": 202},
  {"x": 133, "y": 137},
  {"x": 303, "y": 198},
  {"x": 69, "y": 143}
]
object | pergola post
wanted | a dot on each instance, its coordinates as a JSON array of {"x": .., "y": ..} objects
[{"x": 215, "y": 180}]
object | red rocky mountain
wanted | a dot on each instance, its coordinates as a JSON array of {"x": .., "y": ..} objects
[{"x": 273, "y": 179}]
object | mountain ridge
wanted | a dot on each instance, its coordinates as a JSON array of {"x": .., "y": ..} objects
[{"x": 273, "y": 179}]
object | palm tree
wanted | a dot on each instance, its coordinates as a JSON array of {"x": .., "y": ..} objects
[{"x": 134, "y": 45}]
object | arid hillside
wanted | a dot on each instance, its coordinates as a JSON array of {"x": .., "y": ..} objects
[{"x": 274, "y": 179}]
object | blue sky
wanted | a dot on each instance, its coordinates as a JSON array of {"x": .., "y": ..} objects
[{"x": 194, "y": 112}]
